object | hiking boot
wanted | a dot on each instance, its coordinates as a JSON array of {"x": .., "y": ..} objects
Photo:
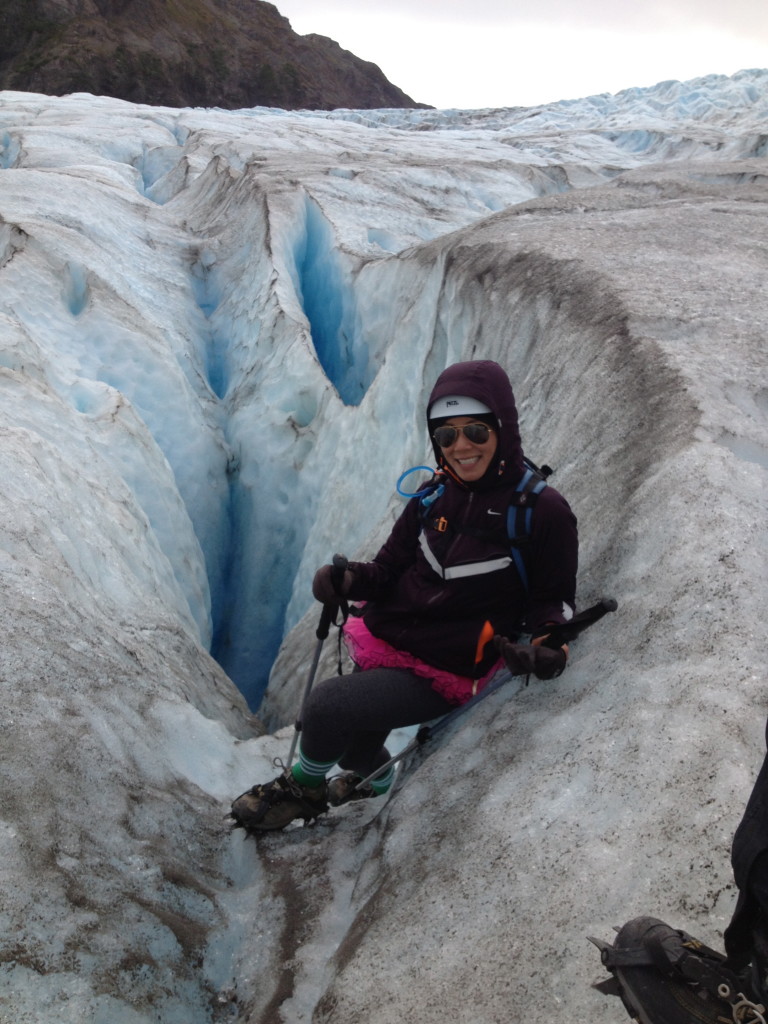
[
  {"x": 273, "y": 805},
  {"x": 341, "y": 789}
]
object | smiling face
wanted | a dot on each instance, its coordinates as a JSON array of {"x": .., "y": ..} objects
[{"x": 468, "y": 460}]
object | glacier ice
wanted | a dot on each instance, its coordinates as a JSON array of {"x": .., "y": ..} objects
[{"x": 217, "y": 331}]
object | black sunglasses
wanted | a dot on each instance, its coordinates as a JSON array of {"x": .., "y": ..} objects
[{"x": 477, "y": 433}]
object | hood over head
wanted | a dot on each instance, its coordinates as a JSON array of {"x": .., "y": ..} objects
[{"x": 487, "y": 383}]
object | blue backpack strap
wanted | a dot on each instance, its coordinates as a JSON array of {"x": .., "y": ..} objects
[{"x": 520, "y": 514}]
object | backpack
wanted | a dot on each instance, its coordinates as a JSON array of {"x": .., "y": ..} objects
[
  {"x": 665, "y": 976},
  {"x": 519, "y": 513}
]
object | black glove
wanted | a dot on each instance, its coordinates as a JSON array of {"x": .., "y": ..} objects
[
  {"x": 531, "y": 659},
  {"x": 330, "y": 586}
]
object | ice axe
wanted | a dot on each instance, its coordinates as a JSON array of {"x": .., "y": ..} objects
[
  {"x": 564, "y": 632},
  {"x": 327, "y": 616}
]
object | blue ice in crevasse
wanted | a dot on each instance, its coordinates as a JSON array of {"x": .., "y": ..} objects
[
  {"x": 208, "y": 296},
  {"x": 324, "y": 287},
  {"x": 250, "y": 620}
]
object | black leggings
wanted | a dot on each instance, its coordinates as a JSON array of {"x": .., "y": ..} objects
[{"x": 347, "y": 718}]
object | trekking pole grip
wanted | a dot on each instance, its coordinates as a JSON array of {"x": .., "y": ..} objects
[
  {"x": 340, "y": 566},
  {"x": 328, "y": 614}
]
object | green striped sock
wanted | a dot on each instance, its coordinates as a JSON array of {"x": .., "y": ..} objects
[
  {"x": 381, "y": 784},
  {"x": 310, "y": 773}
]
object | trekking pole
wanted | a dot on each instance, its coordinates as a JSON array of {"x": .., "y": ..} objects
[
  {"x": 560, "y": 634},
  {"x": 327, "y": 616}
]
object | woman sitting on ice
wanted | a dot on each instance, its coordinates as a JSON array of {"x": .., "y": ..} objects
[{"x": 439, "y": 590}]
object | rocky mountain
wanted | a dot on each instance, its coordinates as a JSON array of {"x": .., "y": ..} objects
[{"x": 224, "y": 53}]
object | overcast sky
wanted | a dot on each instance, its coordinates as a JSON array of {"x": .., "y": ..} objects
[{"x": 489, "y": 53}]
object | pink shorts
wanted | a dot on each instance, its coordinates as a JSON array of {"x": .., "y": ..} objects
[{"x": 367, "y": 651}]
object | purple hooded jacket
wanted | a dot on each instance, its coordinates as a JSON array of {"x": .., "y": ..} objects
[{"x": 431, "y": 593}]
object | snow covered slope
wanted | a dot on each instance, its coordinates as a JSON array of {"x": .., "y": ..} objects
[{"x": 218, "y": 329}]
